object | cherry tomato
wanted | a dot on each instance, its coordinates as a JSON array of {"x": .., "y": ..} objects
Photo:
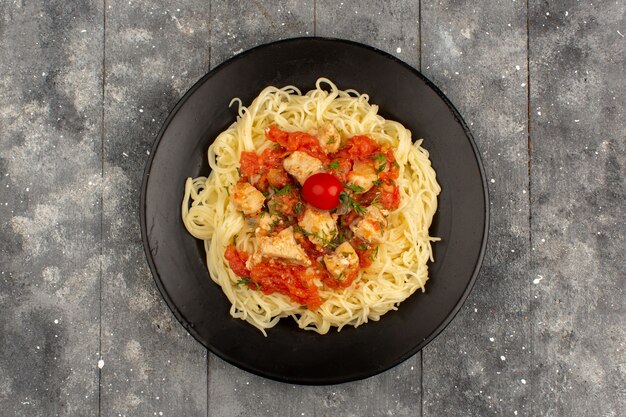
[{"x": 322, "y": 191}]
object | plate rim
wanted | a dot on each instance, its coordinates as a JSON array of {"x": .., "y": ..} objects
[{"x": 190, "y": 328}]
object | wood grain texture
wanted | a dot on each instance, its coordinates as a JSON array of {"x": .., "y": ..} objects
[
  {"x": 240, "y": 25},
  {"x": 577, "y": 61},
  {"x": 50, "y": 134},
  {"x": 84, "y": 88},
  {"x": 392, "y": 26},
  {"x": 476, "y": 53},
  {"x": 155, "y": 51}
]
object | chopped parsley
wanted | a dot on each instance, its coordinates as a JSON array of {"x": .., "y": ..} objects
[
  {"x": 363, "y": 246},
  {"x": 354, "y": 188},
  {"x": 381, "y": 168},
  {"x": 374, "y": 254},
  {"x": 380, "y": 158},
  {"x": 328, "y": 241},
  {"x": 375, "y": 200},
  {"x": 283, "y": 191},
  {"x": 377, "y": 183},
  {"x": 248, "y": 281},
  {"x": 274, "y": 224},
  {"x": 298, "y": 207},
  {"x": 349, "y": 203},
  {"x": 334, "y": 164}
]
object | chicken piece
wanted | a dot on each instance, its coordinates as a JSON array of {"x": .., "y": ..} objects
[
  {"x": 371, "y": 227},
  {"x": 246, "y": 198},
  {"x": 320, "y": 226},
  {"x": 302, "y": 165},
  {"x": 329, "y": 138},
  {"x": 362, "y": 175},
  {"x": 343, "y": 262},
  {"x": 283, "y": 246},
  {"x": 266, "y": 223}
]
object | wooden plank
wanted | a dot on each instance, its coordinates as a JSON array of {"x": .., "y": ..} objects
[
  {"x": 476, "y": 52},
  {"x": 155, "y": 51},
  {"x": 577, "y": 103},
  {"x": 233, "y": 392},
  {"x": 240, "y": 25},
  {"x": 392, "y": 26},
  {"x": 50, "y": 140}
]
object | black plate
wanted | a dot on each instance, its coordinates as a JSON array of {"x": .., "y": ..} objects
[{"x": 289, "y": 354}]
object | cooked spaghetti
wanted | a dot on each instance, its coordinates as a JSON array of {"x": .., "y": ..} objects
[{"x": 279, "y": 248}]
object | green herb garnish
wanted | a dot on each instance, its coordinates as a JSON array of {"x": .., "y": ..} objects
[
  {"x": 248, "y": 281},
  {"x": 375, "y": 200},
  {"x": 374, "y": 254},
  {"x": 334, "y": 164},
  {"x": 349, "y": 203},
  {"x": 298, "y": 207},
  {"x": 283, "y": 191},
  {"x": 380, "y": 158},
  {"x": 354, "y": 188}
]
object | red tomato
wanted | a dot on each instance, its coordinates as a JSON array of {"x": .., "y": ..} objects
[{"x": 322, "y": 191}]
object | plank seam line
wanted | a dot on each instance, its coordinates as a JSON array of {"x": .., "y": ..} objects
[
  {"x": 419, "y": 66},
  {"x": 210, "y": 33},
  {"x": 314, "y": 17},
  {"x": 530, "y": 213},
  {"x": 104, "y": 22},
  {"x": 208, "y": 354},
  {"x": 419, "y": 35}
]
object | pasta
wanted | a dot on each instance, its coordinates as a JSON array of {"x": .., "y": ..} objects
[{"x": 399, "y": 265}]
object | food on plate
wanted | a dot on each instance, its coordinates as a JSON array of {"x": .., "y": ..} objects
[{"x": 316, "y": 208}]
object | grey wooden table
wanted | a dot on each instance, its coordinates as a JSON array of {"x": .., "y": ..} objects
[{"x": 84, "y": 88}]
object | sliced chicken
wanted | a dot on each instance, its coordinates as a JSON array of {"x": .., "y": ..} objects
[
  {"x": 319, "y": 225},
  {"x": 372, "y": 226},
  {"x": 266, "y": 224},
  {"x": 329, "y": 138},
  {"x": 343, "y": 262},
  {"x": 282, "y": 246},
  {"x": 362, "y": 175},
  {"x": 302, "y": 165},
  {"x": 246, "y": 198}
]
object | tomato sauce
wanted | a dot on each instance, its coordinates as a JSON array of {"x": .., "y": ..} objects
[
  {"x": 391, "y": 169},
  {"x": 285, "y": 204},
  {"x": 290, "y": 280},
  {"x": 249, "y": 164},
  {"x": 237, "y": 261},
  {"x": 364, "y": 251},
  {"x": 266, "y": 170},
  {"x": 339, "y": 283},
  {"x": 340, "y": 168},
  {"x": 358, "y": 148},
  {"x": 386, "y": 196},
  {"x": 296, "y": 141}
]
